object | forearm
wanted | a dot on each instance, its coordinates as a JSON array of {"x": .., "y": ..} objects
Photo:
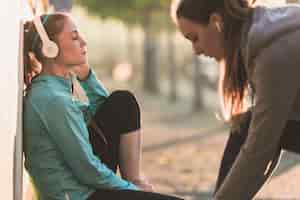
[
  {"x": 94, "y": 90},
  {"x": 247, "y": 175}
]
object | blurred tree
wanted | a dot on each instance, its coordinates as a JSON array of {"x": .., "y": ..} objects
[
  {"x": 171, "y": 51},
  {"x": 171, "y": 48},
  {"x": 136, "y": 12},
  {"x": 172, "y": 67},
  {"x": 197, "y": 102},
  {"x": 38, "y": 6},
  {"x": 292, "y": 1},
  {"x": 61, "y": 5}
]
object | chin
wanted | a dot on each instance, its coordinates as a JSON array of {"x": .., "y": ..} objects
[
  {"x": 81, "y": 62},
  {"x": 74, "y": 64}
]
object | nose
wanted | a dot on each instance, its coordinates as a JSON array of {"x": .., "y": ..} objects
[{"x": 82, "y": 42}]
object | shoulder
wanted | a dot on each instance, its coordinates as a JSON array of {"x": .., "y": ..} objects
[
  {"x": 48, "y": 100},
  {"x": 269, "y": 24},
  {"x": 268, "y": 29}
]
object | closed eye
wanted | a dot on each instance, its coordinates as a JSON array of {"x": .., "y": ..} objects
[{"x": 75, "y": 35}]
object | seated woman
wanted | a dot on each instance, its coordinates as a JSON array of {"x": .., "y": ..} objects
[{"x": 72, "y": 149}]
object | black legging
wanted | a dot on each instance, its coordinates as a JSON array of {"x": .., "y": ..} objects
[
  {"x": 290, "y": 141},
  {"x": 120, "y": 114}
]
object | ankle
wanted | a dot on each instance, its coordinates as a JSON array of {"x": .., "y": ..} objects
[{"x": 140, "y": 180}]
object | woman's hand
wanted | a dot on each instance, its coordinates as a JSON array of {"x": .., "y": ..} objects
[
  {"x": 144, "y": 185},
  {"x": 81, "y": 71}
]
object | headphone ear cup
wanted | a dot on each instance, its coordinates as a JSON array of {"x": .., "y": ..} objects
[{"x": 50, "y": 49}]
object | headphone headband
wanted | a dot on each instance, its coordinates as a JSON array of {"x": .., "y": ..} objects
[
  {"x": 37, "y": 34},
  {"x": 49, "y": 48}
]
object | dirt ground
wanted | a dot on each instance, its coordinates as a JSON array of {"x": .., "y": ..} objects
[{"x": 182, "y": 152}]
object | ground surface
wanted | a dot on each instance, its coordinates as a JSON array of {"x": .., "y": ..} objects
[{"x": 182, "y": 152}]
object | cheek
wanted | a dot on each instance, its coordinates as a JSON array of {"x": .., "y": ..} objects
[
  {"x": 70, "y": 55},
  {"x": 69, "y": 50},
  {"x": 204, "y": 42},
  {"x": 212, "y": 44}
]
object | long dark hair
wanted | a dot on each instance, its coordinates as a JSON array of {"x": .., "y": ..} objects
[
  {"x": 32, "y": 52},
  {"x": 233, "y": 79}
]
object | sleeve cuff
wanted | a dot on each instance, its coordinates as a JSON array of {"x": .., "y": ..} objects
[
  {"x": 87, "y": 77},
  {"x": 91, "y": 83}
]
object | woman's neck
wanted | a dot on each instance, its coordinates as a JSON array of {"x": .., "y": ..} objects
[{"x": 56, "y": 70}]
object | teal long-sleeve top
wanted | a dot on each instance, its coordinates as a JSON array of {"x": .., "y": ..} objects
[{"x": 58, "y": 154}]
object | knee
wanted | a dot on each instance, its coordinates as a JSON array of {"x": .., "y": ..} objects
[
  {"x": 124, "y": 97},
  {"x": 122, "y": 93},
  {"x": 128, "y": 110}
]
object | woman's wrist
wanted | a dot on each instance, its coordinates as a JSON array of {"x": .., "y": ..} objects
[
  {"x": 82, "y": 71},
  {"x": 86, "y": 76}
]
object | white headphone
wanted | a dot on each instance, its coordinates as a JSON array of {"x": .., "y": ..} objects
[{"x": 49, "y": 48}]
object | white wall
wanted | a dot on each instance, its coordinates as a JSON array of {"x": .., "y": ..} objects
[{"x": 10, "y": 10}]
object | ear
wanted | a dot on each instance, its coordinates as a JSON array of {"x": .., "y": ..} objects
[{"x": 216, "y": 22}]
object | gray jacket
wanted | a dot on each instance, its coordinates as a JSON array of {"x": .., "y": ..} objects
[{"x": 271, "y": 51}]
